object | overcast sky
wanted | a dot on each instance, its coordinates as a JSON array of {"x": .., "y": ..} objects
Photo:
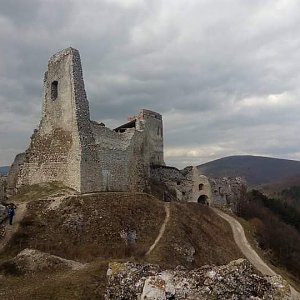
[{"x": 224, "y": 74}]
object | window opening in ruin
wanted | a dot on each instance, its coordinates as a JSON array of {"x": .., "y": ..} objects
[
  {"x": 178, "y": 182},
  {"x": 54, "y": 90},
  {"x": 158, "y": 130},
  {"x": 203, "y": 199},
  {"x": 200, "y": 186}
]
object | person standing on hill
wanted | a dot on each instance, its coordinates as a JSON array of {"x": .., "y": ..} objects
[{"x": 11, "y": 212}]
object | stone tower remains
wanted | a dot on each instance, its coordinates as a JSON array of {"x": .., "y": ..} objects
[{"x": 80, "y": 153}]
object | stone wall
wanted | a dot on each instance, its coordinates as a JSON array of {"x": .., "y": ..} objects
[
  {"x": 227, "y": 191},
  {"x": 166, "y": 173},
  {"x": 188, "y": 185},
  {"x": 14, "y": 173},
  {"x": 151, "y": 123},
  {"x": 123, "y": 166}
]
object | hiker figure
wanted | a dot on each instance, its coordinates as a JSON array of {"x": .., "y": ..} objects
[{"x": 11, "y": 212}]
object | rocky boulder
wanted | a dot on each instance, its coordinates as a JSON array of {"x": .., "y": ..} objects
[{"x": 237, "y": 280}]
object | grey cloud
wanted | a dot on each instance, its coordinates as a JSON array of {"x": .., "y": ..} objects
[{"x": 196, "y": 62}]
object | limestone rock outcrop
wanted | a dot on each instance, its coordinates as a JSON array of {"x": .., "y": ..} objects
[
  {"x": 30, "y": 261},
  {"x": 237, "y": 280}
]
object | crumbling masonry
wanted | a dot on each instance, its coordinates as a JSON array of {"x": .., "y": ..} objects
[{"x": 70, "y": 148}]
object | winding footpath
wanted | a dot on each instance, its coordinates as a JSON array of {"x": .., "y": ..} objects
[
  {"x": 162, "y": 228},
  {"x": 10, "y": 230},
  {"x": 241, "y": 241}
]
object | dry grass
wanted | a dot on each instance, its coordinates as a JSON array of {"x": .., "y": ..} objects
[
  {"x": 87, "y": 229},
  {"x": 197, "y": 226},
  {"x": 37, "y": 191},
  {"x": 88, "y": 283}
]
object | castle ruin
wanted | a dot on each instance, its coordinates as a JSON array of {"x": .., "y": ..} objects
[
  {"x": 89, "y": 157},
  {"x": 70, "y": 148}
]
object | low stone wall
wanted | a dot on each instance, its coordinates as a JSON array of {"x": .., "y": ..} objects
[
  {"x": 188, "y": 185},
  {"x": 165, "y": 173}
]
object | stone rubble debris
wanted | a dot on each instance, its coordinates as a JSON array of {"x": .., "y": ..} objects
[{"x": 237, "y": 280}]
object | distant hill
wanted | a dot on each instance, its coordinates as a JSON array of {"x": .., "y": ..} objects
[
  {"x": 4, "y": 170},
  {"x": 255, "y": 169}
]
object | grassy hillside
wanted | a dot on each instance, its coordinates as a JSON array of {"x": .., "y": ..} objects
[
  {"x": 87, "y": 229},
  {"x": 255, "y": 169}
]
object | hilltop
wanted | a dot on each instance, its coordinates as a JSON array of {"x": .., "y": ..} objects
[
  {"x": 67, "y": 229},
  {"x": 255, "y": 169}
]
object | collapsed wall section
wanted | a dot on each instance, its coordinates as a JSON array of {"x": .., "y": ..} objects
[
  {"x": 188, "y": 185},
  {"x": 228, "y": 191}
]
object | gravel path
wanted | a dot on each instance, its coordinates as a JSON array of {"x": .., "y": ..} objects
[{"x": 162, "y": 228}]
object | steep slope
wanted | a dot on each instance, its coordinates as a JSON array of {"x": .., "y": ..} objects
[{"x": 255, "y": 169}]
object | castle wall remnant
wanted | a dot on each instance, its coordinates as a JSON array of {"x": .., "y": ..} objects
[
  {"x": 70, "y": 148},
  {"x": 188, "y": 185},
  {"x": 228, "y": 191}
]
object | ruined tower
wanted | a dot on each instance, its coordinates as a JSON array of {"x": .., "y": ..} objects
[{"x": 55, "y": 152}]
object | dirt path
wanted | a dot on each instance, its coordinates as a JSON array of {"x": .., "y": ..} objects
[
  {"x": 162, "y": 228},
  {"x": 11, "y": 229},
  {"x": 241, "y": 241}
]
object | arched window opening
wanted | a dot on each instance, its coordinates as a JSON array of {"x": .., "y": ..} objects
[
  {"x": 200, "y": 186},
  {"x": 203, "y": 199},
  {"x": 54, "y": 90}
]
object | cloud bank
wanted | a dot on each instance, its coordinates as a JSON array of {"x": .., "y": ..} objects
[{"x": 224, "y": 74}]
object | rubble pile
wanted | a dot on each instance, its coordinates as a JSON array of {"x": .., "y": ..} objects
[{"x": 237, "y": 280}]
